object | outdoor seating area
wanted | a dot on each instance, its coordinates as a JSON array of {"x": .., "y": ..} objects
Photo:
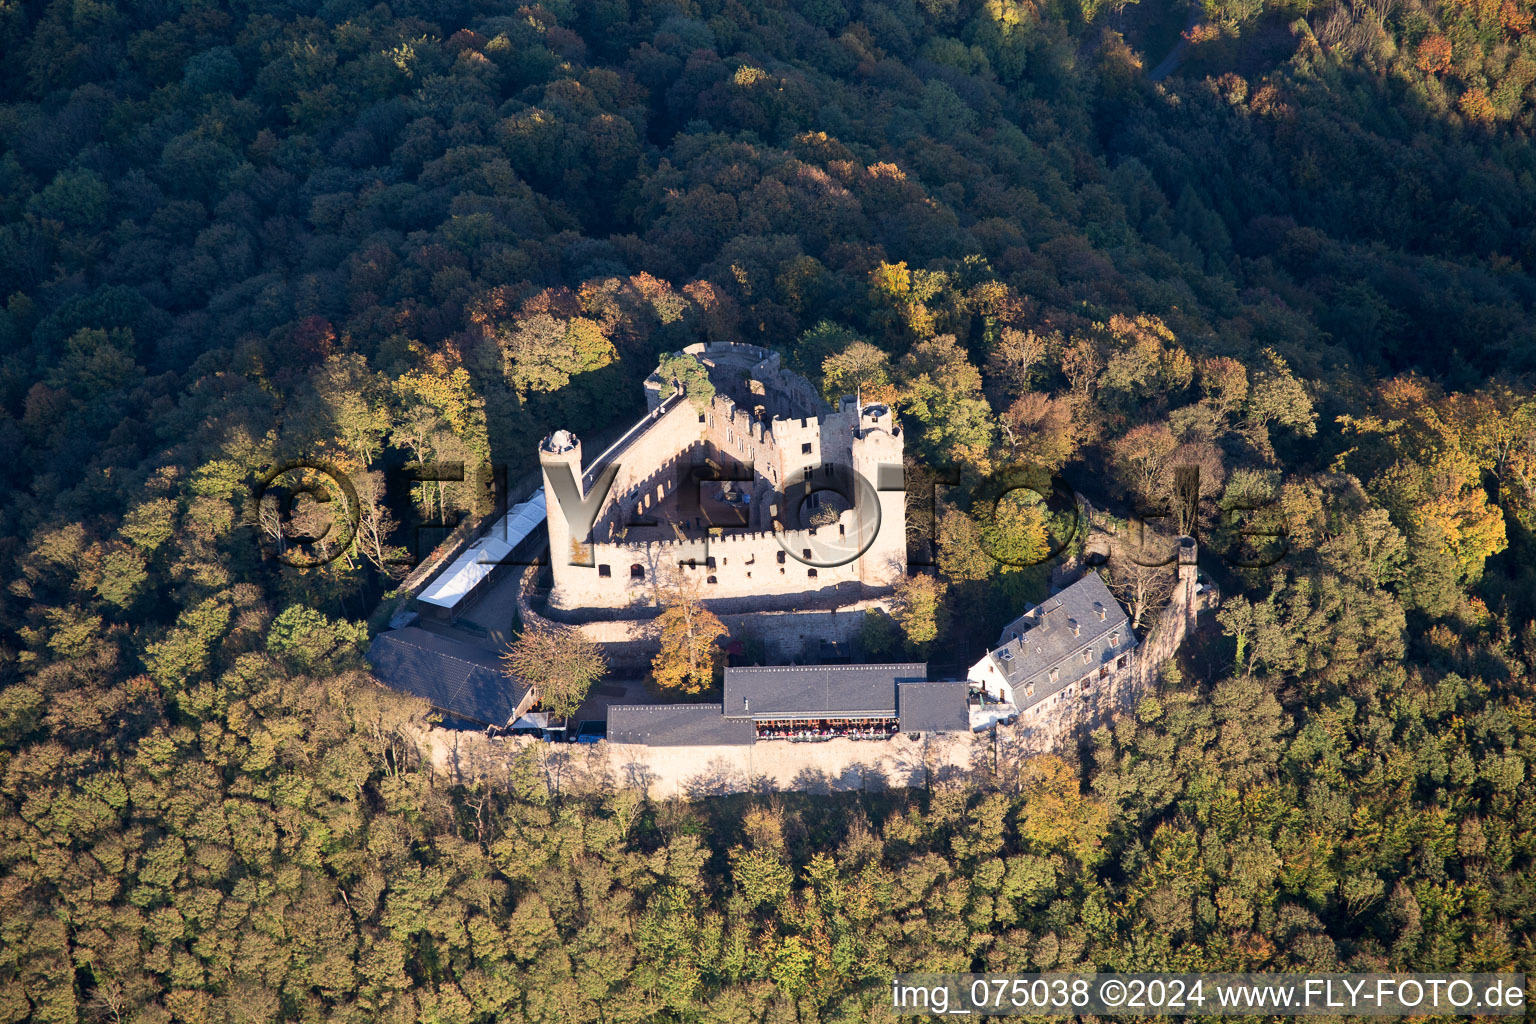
[{"x": 826, "y": 729}]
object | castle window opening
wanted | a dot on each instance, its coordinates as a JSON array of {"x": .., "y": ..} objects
[
  {"x": 806, "y": 552},
  {"x": 811, "y": 573},
  {"x": 781, "y": 558},
  {"x": 637, "y": 571},
  {"x": 604, "y": 571},
  {"x": 1121, "y": 662},
  {"x": 805, "y": 449},
  {"x": 709, "y": 563},
  {"x": 1103, "y": 671},
  {"x": 711, "y": 580}
]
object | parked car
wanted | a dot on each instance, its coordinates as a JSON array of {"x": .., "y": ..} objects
[
  {"x": 540, "y": 725},
  {"x": 591, "y": 732}
]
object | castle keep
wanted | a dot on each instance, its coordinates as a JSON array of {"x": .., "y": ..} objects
[{"x": 764, "y": 491}]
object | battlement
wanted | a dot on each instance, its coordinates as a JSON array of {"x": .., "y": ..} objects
[{"x": 560, "y": 442}]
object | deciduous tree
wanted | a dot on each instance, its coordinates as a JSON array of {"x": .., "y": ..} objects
[
  {"x": 691, "y": 655},
  {"x": 558, "y": 662}
]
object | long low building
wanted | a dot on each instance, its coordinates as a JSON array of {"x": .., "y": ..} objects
[
  {"x": 802, "y": 702},
  {"x": 512, "y": 541},
  {"x": 792, "y": 701}
]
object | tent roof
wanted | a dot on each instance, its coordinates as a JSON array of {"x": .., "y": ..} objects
[{"x": 477, "y": 561}]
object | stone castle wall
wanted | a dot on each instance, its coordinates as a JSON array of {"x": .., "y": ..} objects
[
  {"x": 787, "y": 635},
  {"x": 692, "y": 772}
]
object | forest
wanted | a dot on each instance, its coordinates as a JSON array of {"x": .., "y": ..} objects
[{"x": 383, "y": 235}]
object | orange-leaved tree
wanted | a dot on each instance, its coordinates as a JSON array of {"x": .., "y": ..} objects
[{"x": 691, "y": 656}]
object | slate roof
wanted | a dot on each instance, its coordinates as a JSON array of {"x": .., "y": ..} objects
[
  {"x": 677, "y": 725},
  {"x": 1058, "y": 630},
  {"x": 458, "y": 678},
  {"x": 817, "y": 691},
  {"x": 934, "y": 707}
]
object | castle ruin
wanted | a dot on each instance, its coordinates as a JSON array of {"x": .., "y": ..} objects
[{"x": 764, "y": 492}]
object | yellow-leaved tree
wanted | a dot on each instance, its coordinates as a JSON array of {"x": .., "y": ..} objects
[{"x": 691, "y": 657}]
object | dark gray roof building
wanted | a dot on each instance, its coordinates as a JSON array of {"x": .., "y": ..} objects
[
  {"x": 1080, "y": 632},
  {"x": 935, "y": 707},
  {"x": 676, "y": 725},
  {"x": 817, "y": 691},
  {"x": 456, "y": 678}
]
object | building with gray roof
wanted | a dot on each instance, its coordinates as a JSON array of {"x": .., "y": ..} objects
[
  {"x": 817, "y": 691},
  {"x": 765, "y": 702},
  {"x": 1063, "y": 646},
  {"x": 464, "y": 682},
  {"x": 676, "y": 725},
  {"x": 934, "y": 707}
]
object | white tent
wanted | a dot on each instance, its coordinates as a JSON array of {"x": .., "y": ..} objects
[{"x": 477, "y": 561}]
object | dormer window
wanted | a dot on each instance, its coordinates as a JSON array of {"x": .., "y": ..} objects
[
  {"x": 1055, "y": 674},
  {"x": 1087, "y": 656}
]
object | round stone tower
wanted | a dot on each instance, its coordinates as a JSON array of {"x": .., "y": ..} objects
[{"x": 559, "y": 455}]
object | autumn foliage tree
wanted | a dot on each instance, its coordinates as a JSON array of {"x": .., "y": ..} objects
[
  {"x": 919, "y": 609},
  {"x": 558, "y": 663},
  {"x": 691, "y": 656}
]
